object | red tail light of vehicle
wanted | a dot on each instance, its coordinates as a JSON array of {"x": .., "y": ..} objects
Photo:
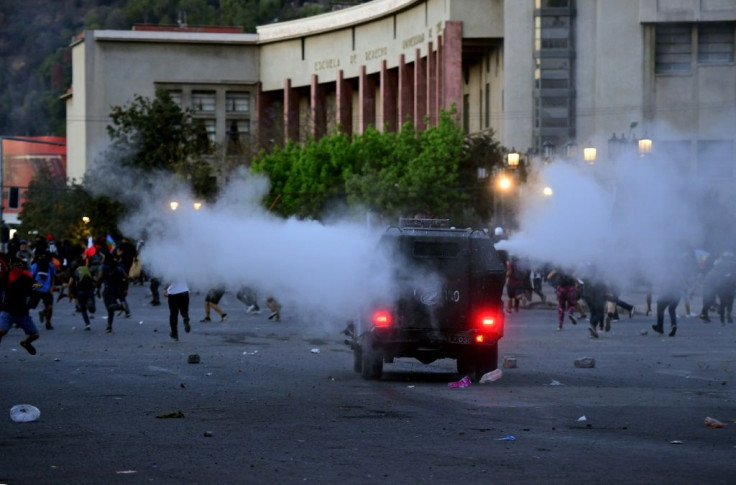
[
  {"x": 487, "y": 321},
  {"x": 382, "y": 319},
  {"x": 488, "y": 325}
]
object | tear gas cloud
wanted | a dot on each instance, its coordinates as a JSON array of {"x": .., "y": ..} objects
[
  {"x": 631, "y": 222},
  {"x": 323, "y": 272}
]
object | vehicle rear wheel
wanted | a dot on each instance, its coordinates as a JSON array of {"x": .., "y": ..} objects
[
  {"x": 486, "y": 360},
  {"x": 371, "y": 359}
]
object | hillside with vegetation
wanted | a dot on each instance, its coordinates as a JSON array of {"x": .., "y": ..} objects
[{"x": 35, "y": 69}]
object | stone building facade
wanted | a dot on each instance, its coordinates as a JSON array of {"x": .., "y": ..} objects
[{"x": 549, "y": 77}]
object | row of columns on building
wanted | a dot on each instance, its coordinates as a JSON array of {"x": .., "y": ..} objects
[{"x": 413, "y": 91}]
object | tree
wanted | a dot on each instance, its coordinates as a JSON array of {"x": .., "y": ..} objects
[
  {"x": 157, "y": 135},
  {"x": 51, "y": 206},
  {"x": 391, "y": 173}
]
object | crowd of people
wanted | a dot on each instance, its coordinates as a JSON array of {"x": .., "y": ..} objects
[
  {"x": 30, "y": 274},
  {"x": 583, "y": 292}
]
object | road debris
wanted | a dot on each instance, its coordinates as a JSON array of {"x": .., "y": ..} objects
[
  {"x": 509, "y": 362},
  {"x": 585, "y": 363},
  {"x": 506, "y": 438},
  {"x": 193, "y": 359},
  {"x": 315, "y": 351},
  {"x": 24, "y": 413},
  {"x": 464, "y": 382},
  {"x": 492, "y": 376},
  {"x": 714, "y": 423},
  {"x": 174, "y": 415}
]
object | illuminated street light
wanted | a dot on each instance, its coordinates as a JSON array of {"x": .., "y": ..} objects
[
  {"x": 504, "y": 182},
  {"x": 589, "y": 155},
  {"x": 548, "y": 192},
  {"x": 513, "y": 159},
  {"x": 174, "y": 205},
  {"x": 85, "y": 219},
  {"x": 197, "y": 206},
  {"x": 645, "y": 146}
]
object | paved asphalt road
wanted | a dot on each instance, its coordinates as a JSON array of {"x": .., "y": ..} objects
[{"x": 278, "y": 403}]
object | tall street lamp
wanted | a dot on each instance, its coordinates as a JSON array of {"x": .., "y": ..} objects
[
  {"x": 589, "y": 155},
  {"x": 645, "y": 146}
]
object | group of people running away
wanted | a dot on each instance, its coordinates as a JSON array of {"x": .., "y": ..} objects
[
  {"x": 718, "y": 282},
  {"x": 29, "y": 275}
]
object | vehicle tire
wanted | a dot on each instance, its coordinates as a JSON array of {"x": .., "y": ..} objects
[
  {"x": 486, "y": 360},
  {"x": 371, "y": 360}
]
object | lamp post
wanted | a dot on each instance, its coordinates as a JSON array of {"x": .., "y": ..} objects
[
  {"x": 512, "y": 159},
  {"x": 589, "y": 155},
  {"x": 504, "y": 183},
  {"x": 645, "y": 146},
  {"x": 174, "y": 205}
]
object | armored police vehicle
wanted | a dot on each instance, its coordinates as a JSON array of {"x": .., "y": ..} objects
[{"x": 447, "y": 304}]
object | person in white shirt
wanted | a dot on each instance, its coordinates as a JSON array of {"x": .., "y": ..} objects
[{"x": 177, "y": 292}]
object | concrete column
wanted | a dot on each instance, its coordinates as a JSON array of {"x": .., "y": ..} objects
[
  {"x": 366, "y": 101},
  {"x": 389, "y": 103},
  {"x": 420, "y": 90},
  {"x": 263, "y": 122},
  {"x": 431, "y": 85},
  {"x": 406, "y": 93},
  {"x": 452, "y": 70},
  {"x": 291, "y": 112},
  {"x": 440, "y": 79},
  {"x": 318, "y": 108},
  {"x": 344, "y": 103}
]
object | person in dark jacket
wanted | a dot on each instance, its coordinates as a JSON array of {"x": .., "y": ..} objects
[{"x": 15, "y": 307}]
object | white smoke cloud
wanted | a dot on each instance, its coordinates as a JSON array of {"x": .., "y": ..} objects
[
  {"x": 630, "y": 220},
  {"x": 323, "y": 272}
]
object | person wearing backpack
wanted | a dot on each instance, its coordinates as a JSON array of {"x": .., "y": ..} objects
[
  {"x": 82, "y": 287},
  {"x": 44, "y": 273}
]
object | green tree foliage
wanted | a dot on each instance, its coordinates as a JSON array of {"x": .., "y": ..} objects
[
  {"x": 393, "y": 173},
  {"x": 157, "y": 135},
  {"x": 485, "y": 153},
  {"x": 51, "y": 206},
  {"x": 307, "y": 180}
]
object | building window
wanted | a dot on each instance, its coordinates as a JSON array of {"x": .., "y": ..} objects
[
  {"x": 488, "y": 105},
  {"x": 715, "y": 43},
  {"x": 210, "y": 128},
  {"x": 673, "y": 48},
  {"x": 715, "y": 158},
  {"x": 176, "y": 97},
  {"x": 552, "y": 3},
  {"x": 237, "y": 102},
  {"x": 237, "y": 130},
  {"x": 204, "y": 101}
]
